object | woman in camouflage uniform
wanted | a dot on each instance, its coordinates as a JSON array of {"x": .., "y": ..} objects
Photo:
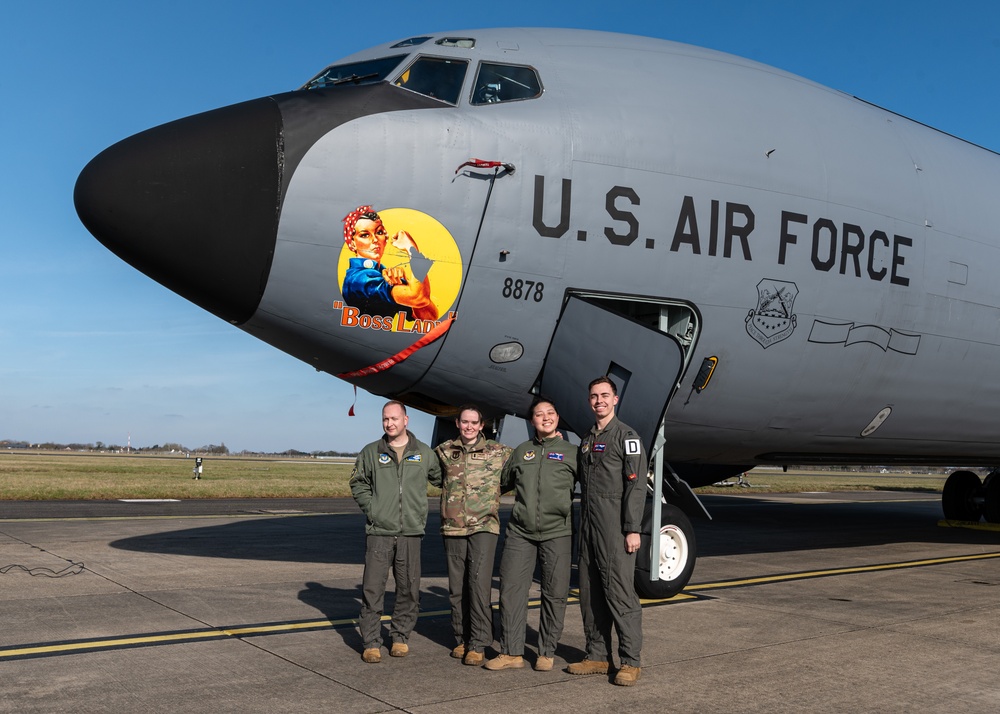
[{"x": 470, "y": 501}]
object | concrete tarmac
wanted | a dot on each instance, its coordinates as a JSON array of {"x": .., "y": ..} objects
[{"x": 847, "y": 602}]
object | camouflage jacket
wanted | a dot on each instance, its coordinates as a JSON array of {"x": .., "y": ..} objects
[{"x": 470, "y": 489}]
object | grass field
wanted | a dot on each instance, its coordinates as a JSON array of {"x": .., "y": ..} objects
[
  {"x": 28, "y": 476},
  {"x": 40, "y": 476},
  {"x": 797, "y": 481}
]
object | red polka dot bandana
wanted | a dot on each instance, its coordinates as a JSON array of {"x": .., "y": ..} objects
[{"x": 352, "y": 218}]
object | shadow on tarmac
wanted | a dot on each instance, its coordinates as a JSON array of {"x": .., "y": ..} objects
[
  {"x": 741, "y": 526},
  {"x": 799, "y": 522}
]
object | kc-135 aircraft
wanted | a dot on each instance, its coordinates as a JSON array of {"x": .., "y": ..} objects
[{"x": 772, "y": 271}]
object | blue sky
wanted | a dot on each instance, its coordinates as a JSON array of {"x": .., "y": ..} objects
[{"x": 91, "y": 350}]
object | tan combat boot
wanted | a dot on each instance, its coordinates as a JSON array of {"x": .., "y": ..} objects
[
  {"x": 473, "y": 658},
  {"x": 588, "y": 666},
  {"x": 544, "y": 664},
  {"x": 372, "y": 655},
  {"x": 627, "y": 675},
  {"x": 505, "y": 661}
]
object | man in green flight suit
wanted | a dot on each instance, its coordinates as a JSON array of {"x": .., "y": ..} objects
[
  {"x": 612, "y": 475},
  {"x": 389, "y": 483}
]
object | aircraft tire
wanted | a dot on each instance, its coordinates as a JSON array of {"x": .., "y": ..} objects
[
  {"x": 961, "y": 497},
  {"x": 991, "y": 498},
  {"x": 678, "y": 552}
]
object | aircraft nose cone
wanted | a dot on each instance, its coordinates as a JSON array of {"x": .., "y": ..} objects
[{"x": 194, "y": 204}]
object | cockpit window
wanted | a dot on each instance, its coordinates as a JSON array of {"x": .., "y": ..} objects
[
  {"x": 436, "y": 77},
  {"x": 466, "y": 43},
  {"x": 364, "y": 72},
  {"x": 505, "y": 83},
  {"x": 411, "y": 42}
]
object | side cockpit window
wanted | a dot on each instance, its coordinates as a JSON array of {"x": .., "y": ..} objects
[
  {"x": 505, "y": 83},
  {"x": 352, "y": 73},
  {"x": 411, "y": 42},
  {"x": 435, "y": 77}
]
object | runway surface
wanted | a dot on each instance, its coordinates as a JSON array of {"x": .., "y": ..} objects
[{"x": 855, "y": 602}]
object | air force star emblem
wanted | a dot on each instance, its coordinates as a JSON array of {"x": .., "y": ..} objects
[{"x": 773, "y": 320}]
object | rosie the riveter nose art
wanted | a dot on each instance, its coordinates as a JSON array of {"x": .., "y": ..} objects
[{"x": 399, "y": 270}]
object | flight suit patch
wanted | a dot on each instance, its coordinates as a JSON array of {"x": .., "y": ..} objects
[
  {"x": 383, "y": 458},
  {"x": 413, "y": 457},
  {"x": 555, "y": 456},
  {"x": 633, "y": 447},
  {"x": 529, "y": 455},
  {"x": 600, "y": 447}
]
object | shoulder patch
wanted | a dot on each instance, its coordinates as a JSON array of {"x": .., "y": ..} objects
[
  {"x": 633, "y": 447},
  {"x": 383, "y": 458}
]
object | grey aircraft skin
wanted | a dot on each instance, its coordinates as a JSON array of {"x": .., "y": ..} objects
[{"x": 835, "y": 259}]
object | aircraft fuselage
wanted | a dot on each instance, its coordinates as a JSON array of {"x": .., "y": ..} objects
[{"x": 835, "y": 257}]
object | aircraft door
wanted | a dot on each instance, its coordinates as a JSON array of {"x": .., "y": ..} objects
[{"x": 591, "y": 340}]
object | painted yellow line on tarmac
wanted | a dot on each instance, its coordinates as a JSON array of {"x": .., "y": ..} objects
[
  {"x": 808, "y": 574},
  {"x": 248, "y": 514},
  {"x": 70, "y": 647},
  {"x": 59, "y": 648},
  {"x": 67, "y": 647},
  {"x": 286, "y": 627},
  {"x": 62, "y": 648},
  {"x": 971, "y": 525},
  {"x": 690, "y": 594}
]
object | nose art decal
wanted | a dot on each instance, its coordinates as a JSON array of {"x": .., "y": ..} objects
[{"x": 400, "y": 270}]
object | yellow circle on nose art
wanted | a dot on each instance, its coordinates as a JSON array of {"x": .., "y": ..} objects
[{"x": 436, "y": 253}]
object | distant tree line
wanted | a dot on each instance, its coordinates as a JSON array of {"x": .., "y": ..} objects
[{"x": 166, "y": 448}]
